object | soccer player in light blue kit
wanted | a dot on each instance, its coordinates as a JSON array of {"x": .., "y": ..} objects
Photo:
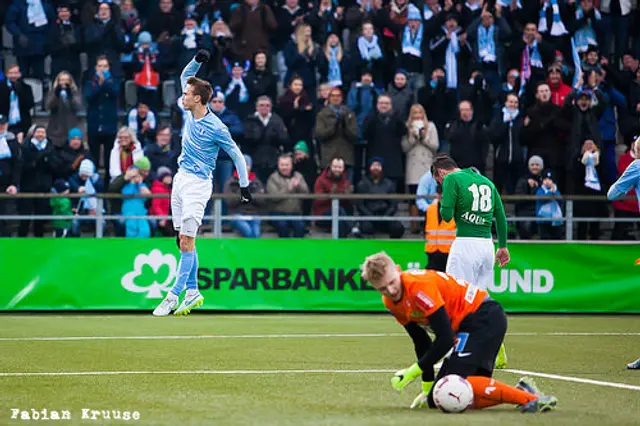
[
  {"x": 202, "y": 137},
  {"x": 630, "y": 179}
]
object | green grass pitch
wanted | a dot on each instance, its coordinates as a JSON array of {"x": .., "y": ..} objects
[{"x": 322, "y": 354}]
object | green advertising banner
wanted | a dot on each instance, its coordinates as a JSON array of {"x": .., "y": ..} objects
[{"x": 296, "y": 275}]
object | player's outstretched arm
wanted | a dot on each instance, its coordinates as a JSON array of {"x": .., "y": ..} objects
[
  {"x": 630, "y": 177},
  {"x": 231, "y": 148},
  {"x": 192, "y": 67}
]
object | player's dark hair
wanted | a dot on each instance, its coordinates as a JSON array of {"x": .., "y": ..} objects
[
  {"x": 201, "y": 88},
  {"x": 443, "y": 161}
]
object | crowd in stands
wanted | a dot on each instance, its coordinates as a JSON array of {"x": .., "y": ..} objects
[{"x": 324, "y": 96}]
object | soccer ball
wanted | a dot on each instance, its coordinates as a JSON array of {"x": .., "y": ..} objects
[{"x": 453, "y": 394}]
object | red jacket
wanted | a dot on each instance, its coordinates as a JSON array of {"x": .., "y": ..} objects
[
  {"x": 626, "y": 205},
  {"x": 326, "y": 184},
  {"x": 559, "y": 93},
  {"x": 160, "y": 206}
]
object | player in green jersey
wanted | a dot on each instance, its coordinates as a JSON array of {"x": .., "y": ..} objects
[{"x": 473, "y": 201}]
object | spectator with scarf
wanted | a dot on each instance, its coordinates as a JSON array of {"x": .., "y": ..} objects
[
  {"x": 356, "y": 15},
  {"x": 236, "y": 92},
  {"x": 369, "y": 56},
  {"x": 301, "y": 55},
  {"x": 414, "y": 55},
  {"x": 587, "y": 182},
  {"x": 511, "y": 85},
  {"x": 16, "y": 101},
  {"x": 333, "y": 63},
  {"x": 585, "y": 108},
  {"x": 105, "y": 38},
  {"x": 556, "y": 23},
  {"x": 85, "y": 181},
  {"x": 161, "y": 152},
  {"x": 142, "y": 121},
  {"x": 487, "y": 35},
  {"x": 531, "y": 55},
  {"x": 451, "y": 51},
  {"x": 10, "y": 170},
  {"x": 30, "y": 22},
  {"x": 126, "y": 151},
  {"x": 191, "y": 39},
  {"x": 362, "y": 99},
  {"x": 549, "y": 208},
  {"x": 37, "y": 177},
  {"x": 504, "y": 133},
  {"x": 587, "y": 25}
]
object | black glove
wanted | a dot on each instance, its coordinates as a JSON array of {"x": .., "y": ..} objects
[
  {"x": 245, "y": 195},
  {"x": 202, "y": 56},
  {"x": 58, "y": 90}
]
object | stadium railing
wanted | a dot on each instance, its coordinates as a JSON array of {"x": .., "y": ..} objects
[{"x": 216, "y": 216}]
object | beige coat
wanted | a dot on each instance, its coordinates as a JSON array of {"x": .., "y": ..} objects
[
  {"x": 420, "y": 152},
  {"x": 278, "y": 184}
]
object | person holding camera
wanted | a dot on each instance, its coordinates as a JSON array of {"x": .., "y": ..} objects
[{"x": 63, "y": 104}]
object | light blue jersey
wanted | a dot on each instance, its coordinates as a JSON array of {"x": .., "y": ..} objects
[
  {"x": 202, "y": 140},
  {"x": 630, "y": 179}
]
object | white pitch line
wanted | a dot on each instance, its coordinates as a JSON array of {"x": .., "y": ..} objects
[
  {"x": 276, "y": 336},
  {"x": 118, "y": 373},
  {"x": 574, "y": 379},
  {"x": 271, "y": 372}
]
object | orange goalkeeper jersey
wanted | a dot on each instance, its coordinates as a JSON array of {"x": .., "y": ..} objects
[{"x": 426, "y": 291}]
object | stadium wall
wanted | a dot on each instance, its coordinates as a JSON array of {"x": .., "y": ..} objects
[{"x": 297, "y": 275}]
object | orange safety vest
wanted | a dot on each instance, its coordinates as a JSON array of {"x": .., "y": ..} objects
[{"x": 438, "y": 233}]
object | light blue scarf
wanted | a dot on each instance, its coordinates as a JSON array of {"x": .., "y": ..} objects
[
  {"x": 40, "y": 145},
  {"x": 504, "y": 3},
  {"x": 243, "y": 96},
  {"x": 557, "y": 27},
  {"x": 451, "y": 61},
  {"x": 35, "y": 13},
  {"x": 335, "y": 74},
  {"x": 549, "y": 209},
  {"x": 585, "y": 35},
  {"x": 89, "y": 203},
  {"x": 14, "y": 106},
  {"x": 591, "y": 180},
  {"x": 5, "y": 151},
  {"x": 486, "y": 43},
  {"x": 577, "y": 63},
  {"x": 530, "y": 59},
  {"x": 413, "y": 46},
  {"x": 509, "y": 116},
  {"x": 369, "y": 50}
]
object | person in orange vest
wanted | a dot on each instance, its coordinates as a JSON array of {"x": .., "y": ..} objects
[{"x": 438, "y": 235}]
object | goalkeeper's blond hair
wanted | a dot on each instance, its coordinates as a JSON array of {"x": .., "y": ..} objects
[{"x": 375, "y": 267}]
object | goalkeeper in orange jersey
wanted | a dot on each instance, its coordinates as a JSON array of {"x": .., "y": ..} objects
[{"x": 450, "y": 307}]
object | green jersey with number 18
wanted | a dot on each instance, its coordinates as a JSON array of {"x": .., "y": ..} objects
[{"x": 472, "y": 200}]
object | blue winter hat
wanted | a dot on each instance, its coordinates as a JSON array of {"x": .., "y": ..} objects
[
  {"x": 74, "y": 133},
  {"x": 60, "y": 185},
  {"x": 413, "y": 14},
  {"x": 145, "y": 38},
  {"x": 376, "y": 159}
]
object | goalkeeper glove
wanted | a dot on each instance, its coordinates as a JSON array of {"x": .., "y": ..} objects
[
  {"x": 421, "y": 400},
  {"x": 403, "y": 377},
  {"x": 245, "y": 195},
  {"x": 202, "y": 56}
]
